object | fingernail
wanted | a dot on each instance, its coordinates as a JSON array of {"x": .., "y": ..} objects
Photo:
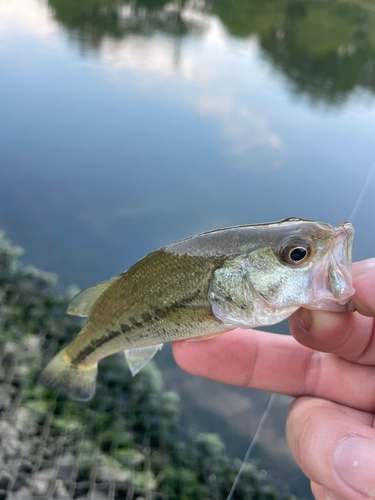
[
  {"x": 363, "y": 267},
  {"x": 304, "y": 319},
  {"x": 354, "y": 462}
]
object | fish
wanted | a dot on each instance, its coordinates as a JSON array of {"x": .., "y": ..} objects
[{"x": 205, "y": 285}]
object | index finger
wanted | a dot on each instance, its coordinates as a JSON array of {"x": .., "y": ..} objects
[
  {"x": 278, "y": 363},
  {"x": 348, "y": 335}
]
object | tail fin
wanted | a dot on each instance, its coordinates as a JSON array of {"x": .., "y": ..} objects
[{"x": 75, "y": 381}]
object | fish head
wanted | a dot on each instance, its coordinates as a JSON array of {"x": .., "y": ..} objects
[{"x": 296, "y": 263}]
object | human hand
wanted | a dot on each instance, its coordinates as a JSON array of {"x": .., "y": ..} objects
[{"x": 329, "y": 366}]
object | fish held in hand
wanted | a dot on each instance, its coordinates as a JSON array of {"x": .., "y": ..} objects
[{"x": 205, "y": 285}]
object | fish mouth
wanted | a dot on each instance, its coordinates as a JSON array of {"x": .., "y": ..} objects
[{"x": 332, "y": 276}]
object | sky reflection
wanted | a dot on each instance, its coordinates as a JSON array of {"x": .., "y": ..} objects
[{"x": 204, "y": 109}]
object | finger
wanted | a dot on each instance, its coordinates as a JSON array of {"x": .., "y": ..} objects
[
  {"x": 322, "y": 493},
  {"x": 334, "y": 446},
  {"x": 364, "y": 284},
  {"x": 349, "y": 335},
  {"x": 278, "y": 363},
  {"x": 319, "y": 491},
  {"x": 247, "y": 358}
]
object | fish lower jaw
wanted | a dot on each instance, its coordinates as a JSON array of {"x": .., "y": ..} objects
[{"x": 332, "y": 306}]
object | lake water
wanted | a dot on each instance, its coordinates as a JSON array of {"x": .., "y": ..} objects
[{"x": 128, "y": 125}]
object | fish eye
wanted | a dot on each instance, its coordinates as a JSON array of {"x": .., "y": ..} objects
[{"x": 295, "y": 253}]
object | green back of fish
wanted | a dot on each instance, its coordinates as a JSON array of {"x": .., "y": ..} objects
[{"x": 162, "y": 298}]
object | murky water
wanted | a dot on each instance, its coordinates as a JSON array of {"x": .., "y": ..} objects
[{"x": 128, "y": 125}]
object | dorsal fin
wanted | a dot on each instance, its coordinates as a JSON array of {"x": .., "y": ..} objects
[{"x": 81, "y": 304}]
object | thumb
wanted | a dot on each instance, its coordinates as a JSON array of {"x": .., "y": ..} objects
[
  {"x": 364, "y": 284},
  {"x": 334, "y": 445}
]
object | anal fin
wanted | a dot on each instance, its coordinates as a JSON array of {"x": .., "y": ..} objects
[{"x": 139, "y": 357}]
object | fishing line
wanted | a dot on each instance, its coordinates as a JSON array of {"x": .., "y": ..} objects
[
  {"x": 362, "y": 193},
  {"x": 273, "y": 395},
  {"x": 252, "y": 444}
]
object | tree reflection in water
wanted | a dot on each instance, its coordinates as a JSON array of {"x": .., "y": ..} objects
[{"x": 325, "y": 49}]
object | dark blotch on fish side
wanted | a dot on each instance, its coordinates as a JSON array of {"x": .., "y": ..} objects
[
  {"x": 136, "y": 323},
  {"x": 94, "y": 345},
  {"x": 147, "y": 318},
  {"x": 126, "y": 328},
  {"x": 160, "y": 313}
]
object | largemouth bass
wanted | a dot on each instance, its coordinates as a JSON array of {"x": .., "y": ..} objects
[{"x": 205, "y": 285}]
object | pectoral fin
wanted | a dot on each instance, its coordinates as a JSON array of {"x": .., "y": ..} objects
[
  {"x": 138, "y": 358},
  {"x": 81, "y": 304}
]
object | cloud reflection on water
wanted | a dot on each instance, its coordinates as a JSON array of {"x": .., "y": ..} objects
[
  {"x": 26, "y": 17},
  {"x": 176, "y": 60}
]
